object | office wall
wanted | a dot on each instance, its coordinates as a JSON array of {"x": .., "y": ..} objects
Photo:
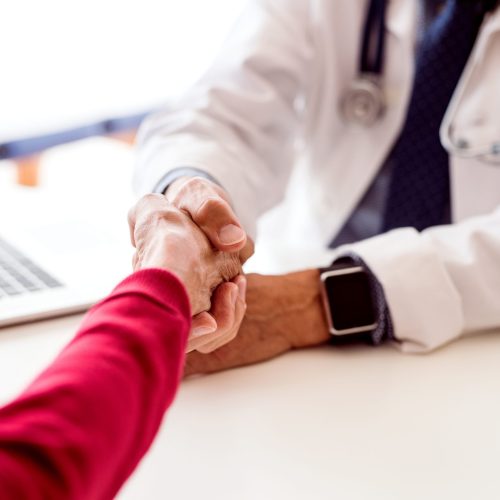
[{"x": 66, "y": 62}]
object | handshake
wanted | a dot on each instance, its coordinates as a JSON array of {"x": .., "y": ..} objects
[{"x": 194, "y": 233}]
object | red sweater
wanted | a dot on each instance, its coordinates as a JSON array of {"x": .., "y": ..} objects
[{"x": 82, "y": 426}]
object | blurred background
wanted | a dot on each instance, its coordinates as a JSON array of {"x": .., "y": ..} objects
[
  {"x": 69, "y": 63},
  {"x": 77, "y": 78}
]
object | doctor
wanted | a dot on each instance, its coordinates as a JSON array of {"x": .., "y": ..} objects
[{"x": 393, "y": 109}]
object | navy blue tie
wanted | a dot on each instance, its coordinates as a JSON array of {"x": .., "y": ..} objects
[{"x": 419, "y": 191}]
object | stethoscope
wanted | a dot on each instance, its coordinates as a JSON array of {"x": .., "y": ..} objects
[{"x": 364, "y": 101}]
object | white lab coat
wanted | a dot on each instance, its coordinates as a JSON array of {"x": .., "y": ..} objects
[{"x": 274, "y": 93}]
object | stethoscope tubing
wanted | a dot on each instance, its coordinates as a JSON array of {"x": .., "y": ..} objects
[
  {"x": 371, "y": 57},
  {"x": 363, "y": 102},
  {"x": 368, "y": 87}
]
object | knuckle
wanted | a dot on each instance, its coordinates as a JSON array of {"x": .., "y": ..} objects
[
  {"x": 229, "y": 265},
  {"x": 185, "y": 189},
  {"x": 171, "y": 214},
  {"x": 247, "y": 251},
  {"x": 166, "y": 213},
  {"x": 155, "y": 223},
  {"x": 193, "y": 183},
  {"x": 148, "y": 203},
  {"x": 151, "y": 200},
  {"x": 152, "y": 197},
  {"x": 187, "y": 192}
]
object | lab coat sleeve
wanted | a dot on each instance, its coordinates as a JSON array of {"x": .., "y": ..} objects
[
  {"x": 240, "y": 121},
  {"x": 440, "y": 284}
]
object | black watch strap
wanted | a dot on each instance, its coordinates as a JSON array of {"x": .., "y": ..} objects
[{"x": 383, "y": 331}]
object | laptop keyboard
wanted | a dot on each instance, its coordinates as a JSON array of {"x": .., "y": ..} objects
[{"x": 20, "y": 275}]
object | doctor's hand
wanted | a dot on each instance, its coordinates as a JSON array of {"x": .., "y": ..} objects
[
  {"x": 167, "y": 238},
  {"x": 208, "y": 205},
  {"x": 283, "y": 313}
]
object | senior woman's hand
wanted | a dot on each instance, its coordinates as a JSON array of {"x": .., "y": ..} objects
[{"x": 166, "y": 237}]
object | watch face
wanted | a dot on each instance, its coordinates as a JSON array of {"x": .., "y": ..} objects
[{"x": 350, "y": 300}]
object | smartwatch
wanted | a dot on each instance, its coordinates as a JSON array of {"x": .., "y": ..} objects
[{"x": 347, "y": 298}]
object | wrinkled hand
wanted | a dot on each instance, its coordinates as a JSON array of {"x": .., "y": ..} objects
[
  {"x": 283, "y": 313},
  {"x": 166, "y": 237},
  {"x": 208, "y": 206},
  {"x": 228, "y": 309}
]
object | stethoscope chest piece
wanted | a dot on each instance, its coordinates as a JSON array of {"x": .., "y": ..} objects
[{"x": 363, "y": 103}]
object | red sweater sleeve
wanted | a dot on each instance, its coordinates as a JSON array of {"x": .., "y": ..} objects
[{"x": 82, "y": 426}]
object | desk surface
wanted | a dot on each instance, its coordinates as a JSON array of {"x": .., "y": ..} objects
[
  {"x": 357, "y": 423},
  {"x": 319, "y": 424}
]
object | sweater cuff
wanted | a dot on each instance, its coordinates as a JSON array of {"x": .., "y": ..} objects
[{"x": 162, "y": 286}]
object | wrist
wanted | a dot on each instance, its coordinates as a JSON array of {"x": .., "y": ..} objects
[
  {"x": 300, "y": 310},
  {"x": 315, "y": 328}
]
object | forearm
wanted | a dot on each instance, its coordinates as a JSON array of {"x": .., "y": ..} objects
[
  {"x": 298, "y": 315},
  {"x": 80, "y": 429},
  {"x": 283, "y": 312}
]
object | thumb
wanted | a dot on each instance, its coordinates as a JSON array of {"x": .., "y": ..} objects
[
  {"x": 202, "y": 324},
  {"x": 218, "y": 221}
]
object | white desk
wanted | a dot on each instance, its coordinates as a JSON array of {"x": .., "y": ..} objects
[
  {"x": 355, "y": 423},
  {"x": 320, "y": 424}
]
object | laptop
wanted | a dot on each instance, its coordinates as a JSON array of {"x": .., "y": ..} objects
[{"x": 57, "y": 269}]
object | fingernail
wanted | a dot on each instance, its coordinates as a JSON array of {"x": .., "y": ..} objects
[
  {"x": 231, "y": 234},
  {"x": 234, "y": 294},
  {"x": 202, "y": 330},
  {"x": 242, "y": 287}
]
